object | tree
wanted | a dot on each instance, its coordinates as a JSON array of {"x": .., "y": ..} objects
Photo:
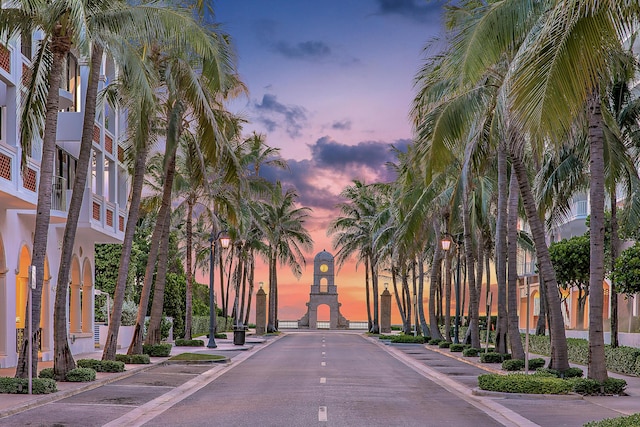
[{"x": 626, "y": 273}]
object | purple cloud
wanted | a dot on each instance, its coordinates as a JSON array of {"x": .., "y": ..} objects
[{"x": 274, "y": 114}]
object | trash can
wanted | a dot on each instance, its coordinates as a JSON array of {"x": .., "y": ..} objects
[{"x": 238, "y": 335}]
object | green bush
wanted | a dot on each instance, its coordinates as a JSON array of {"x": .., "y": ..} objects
[
  {"x": 435, "y": 341},
  {"x": 78, "y": 375},
  {"x": 614, "y": 386},
  {"x": 523, "y": 383},
  {"x": 189, "y": 343},
  {"x": 385, "y": 337},
  {"x": 46, "y": 373},
  {"x": 622, "y": 359},
  {"x": 157, "y": 350},
  {"x": 471, "y": 352},
  {"x": 572, "y": 373},
  {"x": 513, "y": 365},
  {"x": 89, "y": 363},
  {"x": 492, "y": 357},
  {"x": 626, "y": 421},
  {"x": 101, "y": 365},
  {"x": 444, "y": 344},
  {"x": 12, "y": 385},
  {"x": 456, "y": 348},
  {"x": 585, "y": 386},
  {"x": 407, "y": 339},
  {"x": 133, "y": 359},
  {"x": 536, "y": 363}
]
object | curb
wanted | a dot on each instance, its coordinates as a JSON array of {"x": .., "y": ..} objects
[{"x": 528, "y": 396}]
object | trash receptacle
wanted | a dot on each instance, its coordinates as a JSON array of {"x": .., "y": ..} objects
[{"x": 238, "y": 335}]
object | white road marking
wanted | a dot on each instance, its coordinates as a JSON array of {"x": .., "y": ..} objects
[
  {"x": 324, "y": 352},
  {"x": 323, "y": 363},
  {"x": 323, "y": 380},
  {"x": 322, "y": 413},
  {"x": 323, "y": 345}
]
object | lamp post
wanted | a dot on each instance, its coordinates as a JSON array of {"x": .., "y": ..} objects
[
  {"x": 213, "y": 241},
  {"x": 446, "y": 245}
]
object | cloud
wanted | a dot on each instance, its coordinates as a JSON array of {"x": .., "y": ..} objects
[
  {"x": 341, "y": 125},
  {"x": 415, "y": 10},
  {"x": 311, "y": 50},
  {"x": 274, "y": 114},
  {"x": 371, "y": 154}
]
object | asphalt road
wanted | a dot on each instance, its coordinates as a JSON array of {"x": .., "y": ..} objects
[{"x": 326, "y": 379}]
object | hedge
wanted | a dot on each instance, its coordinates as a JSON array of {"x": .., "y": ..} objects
[
  {"x": 78, "y": 375},
  {"x": 435, "y": 341},
  {"x": 133, "y": 359},
  {"x": 444, "y": 344},
  {"x": 492, "y": 357},
  {"x": 513, "y": 365},
  {"x": 626, "y": 421},
  {"x": 101, "y": 365},
  {"x": 189, "y": 343},
  {"x": 407, "y": 339},
  {"x": 622, "y": 359},
  {"x": 157, "y": 350},
  {"x": 524, "y": 383},
  {"x": 471, "y": 352},
  {"x": 457, "y": 348},
  {"x": 12, "y": 385}
]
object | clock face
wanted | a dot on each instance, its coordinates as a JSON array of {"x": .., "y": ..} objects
[{"x": 324, "y": 268}]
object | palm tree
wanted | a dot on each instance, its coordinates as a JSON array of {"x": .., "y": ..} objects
[{"x": 283, "y": 226}]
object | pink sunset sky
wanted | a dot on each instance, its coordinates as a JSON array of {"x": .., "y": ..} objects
[{"x": 330, "y": 84}]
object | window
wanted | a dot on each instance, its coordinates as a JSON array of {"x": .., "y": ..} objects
[
  {"x": 3, "y": 125},
  {"x": 71, "y": 80},
  {"x": 25, "y": 44}
]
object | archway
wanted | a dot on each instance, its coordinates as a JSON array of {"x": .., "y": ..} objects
[
  {"x": 22, "y": 282},
  {"x": 323, "y": 316},
  {"x": 87, "y": 297},
  {"x": 324, "y": 285},
  {"x": 75, "y": 307}
]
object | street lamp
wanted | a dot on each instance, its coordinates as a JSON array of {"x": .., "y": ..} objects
[
  {"x": 446, "y": 245},
  {"x": 213, "y": 241}
]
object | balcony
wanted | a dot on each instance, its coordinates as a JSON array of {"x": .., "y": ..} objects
[
  {"x": 17, "y": 190},
  {"x": 101, "y": 218}
]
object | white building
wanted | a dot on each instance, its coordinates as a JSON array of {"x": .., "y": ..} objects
[{"x": 103, "y": 214}]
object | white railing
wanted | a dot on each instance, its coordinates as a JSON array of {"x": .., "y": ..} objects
[
  {"x": 59, "y": 194},
  {"x": 580, "y": 209},
  {"x": 287, "y": 324},
  {"x": 358, "y": 325}
]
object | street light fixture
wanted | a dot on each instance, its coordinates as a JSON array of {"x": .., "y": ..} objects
[
  {"x": 446, "y": 245},
  {"x": 213, "y": 241}
]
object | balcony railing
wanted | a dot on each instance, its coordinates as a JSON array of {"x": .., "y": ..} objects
[
  {"x": 59, "y": 194},
  {"x": 580, "y": 209}
]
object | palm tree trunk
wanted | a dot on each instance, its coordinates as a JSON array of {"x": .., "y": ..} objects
[
  {"x": 517, "y": 351},
  {"x": 447, "y": 297},
  {"x": 501, "y": 251},
  {"x": 154, "y": 335},
  {"x": 110, "y": 347},
  {"x": 271, "y": 323},
  {"x": 473, "y": 330},
  {"x": 136, "y": 341},
  {"x": 252, "y": 268},
  {"x": 423, "y": 321},
  {"x": 367, "y": 292},
  {"x": 436, "y": 266},
  {"x": 188, "y": 304},
  {"x": 376, "y": 310},
  {"x": 541, "y": 326},
  {"x": 597, "y": 361},
  {"x": 60, "y": 46},
  {"x": 559, "y": 355},
  {"x": 394, "y": 280},
  {"x": 614, "y": 254},
  {"x": 63, "y": 359}
]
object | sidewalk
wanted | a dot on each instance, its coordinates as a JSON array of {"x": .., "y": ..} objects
[{"x": 14, "y": 403}]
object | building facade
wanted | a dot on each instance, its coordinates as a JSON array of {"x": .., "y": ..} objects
[{"x": 103, "y": 215}]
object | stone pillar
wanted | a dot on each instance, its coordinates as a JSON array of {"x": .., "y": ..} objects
[
  {"x": 261, "y": 312},
  {"x": 385, "y": 312}
]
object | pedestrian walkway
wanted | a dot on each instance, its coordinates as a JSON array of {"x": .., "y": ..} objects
[
  {"x": 459, "y": 374},
  {"x": 15, "y": 403}
]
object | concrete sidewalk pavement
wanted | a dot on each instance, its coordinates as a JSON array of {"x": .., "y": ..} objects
[{"x": 14, "y": 403}]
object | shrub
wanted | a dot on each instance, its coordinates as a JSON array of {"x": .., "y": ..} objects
[
  {"x": 492, "y": 357},
  {"x": 189, "y": 343},
  {"x": 166, "y": 324},
  {"x": 385, "y": 337},
  {"x": 626, "y": 421},
  {"x": 101, "y": 365},
  {"x": 133, "y": 359},
  {"x": 157, "y": 350},
  {"x": 471, "y": 352},
  {"x": 407, "y": 339},
  {"x": 46, "y": 373},
  {"x": 435, "y": 341},
  {"x": 523, "y": 383},
  {"x": 444, "y": 344},
  {"x": 536, "y": 363},
  {"x": 219, "y": 336},
  {"x": 89, "y": 363},
  {"x": 585, "y": 386},
  {"x": 21, "y": 385},
  {"x": 622, "y": 359},
  {"x": 572, "y": 373},
  {"x": 456, "y": 348},
  {"x": 513, "y": 365},
  {"x": 614, "y": 386},
  {"x": 78, "y": 375}
]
